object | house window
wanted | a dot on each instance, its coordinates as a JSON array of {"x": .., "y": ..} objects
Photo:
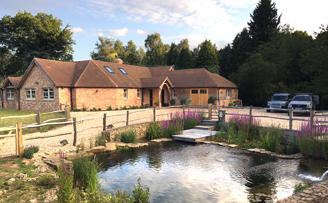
[
  {"x": 138, "y": 93},
  {"x": 203, "y": 91},
  {"x": 108, "y": 69},
  {"x": 48, "y": 94},
  {"x": 194, "y": 91},
  {"x": 125, "y": 93},
  {"x": 10, "y": 94},
  {"x": 123, "y": 71},
  {"x": 228, "y": 93},
  {"x": 30, "y": 94},
  {"x": 174, "y": 93}
]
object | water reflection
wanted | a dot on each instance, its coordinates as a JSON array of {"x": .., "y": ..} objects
[{"x": 180, "y": 172}]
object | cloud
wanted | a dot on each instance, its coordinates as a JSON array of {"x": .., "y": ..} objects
[
  {"x": 77, "y": 29},
  {"x": 142, "y": 32},
  {"x": 201, "y": 15},
  {"x": 119, "y": 32}
]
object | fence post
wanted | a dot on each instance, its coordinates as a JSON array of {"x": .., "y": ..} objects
[
  {"x": 291, "y": 118},
  {"x": 209, "y": 111},
  {"x": 127, "y": 117},
  {"x": 16, "y": 140},
  {"x": 250, "y": 114},
  {"x": 75, "y": 131},
  {"x": 154, "y": 112},
  {"x": 311, "y": 120},
  {"x": 183, "y": 111},
  {"x": 104, "y": 122},
  {"x": 38, "y": 119},
  {"x": 20, "y": 139},
  {"x": 67, "y": 112}
]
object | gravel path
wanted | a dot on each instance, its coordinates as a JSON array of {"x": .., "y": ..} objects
[{"x": 93, "y": 127}]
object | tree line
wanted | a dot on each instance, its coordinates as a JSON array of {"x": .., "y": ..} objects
[{"x": 264, "y": 58}]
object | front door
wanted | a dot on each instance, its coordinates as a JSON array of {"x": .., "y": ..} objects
[
  {"x": 151, "y": 97},
  {"x": 162, "y": 95},
  {"x": 194, "y": 96}
]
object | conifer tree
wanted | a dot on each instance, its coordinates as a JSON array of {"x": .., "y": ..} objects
[
  {"x": 264, "y": 22},
  {"x": 172, "y": 55},
  {"x": 206, "y": 55},
  {"x": 184, "y": 60}
]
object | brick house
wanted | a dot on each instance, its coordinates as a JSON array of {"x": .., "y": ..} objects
[{"x": 47, "y": 84}]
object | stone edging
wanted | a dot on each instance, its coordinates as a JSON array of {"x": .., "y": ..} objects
[{"x": 256, "y": 150}]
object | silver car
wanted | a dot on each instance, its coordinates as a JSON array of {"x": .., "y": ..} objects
[
  {"x": 303, "y": 103},
  {"x": 279, "y": 102}
]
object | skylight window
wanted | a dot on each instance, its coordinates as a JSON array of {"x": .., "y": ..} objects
[
  {"x": 108, "y": 69},
  {"x": 123, "y": 71}
]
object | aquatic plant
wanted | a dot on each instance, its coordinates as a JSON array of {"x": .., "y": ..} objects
[
  {"x": 299, "y": 187},
  {"x": 308, "y": 142},
  {"x": 154, "y": 131},
  {"x": 271, "y": 139},
  {"x": 129, "y": 136}
]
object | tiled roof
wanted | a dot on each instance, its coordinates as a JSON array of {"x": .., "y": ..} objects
[
  {"x": 15, "y": 80},
  {"x": 92, "y": 73}
]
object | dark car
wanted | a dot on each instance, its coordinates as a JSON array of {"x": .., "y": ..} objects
[{"x": 279, "y": 102}]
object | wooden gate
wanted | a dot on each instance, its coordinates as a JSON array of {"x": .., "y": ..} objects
[
  {"x": 12, "y": 146},
  {"x": 199, "y": 96}
]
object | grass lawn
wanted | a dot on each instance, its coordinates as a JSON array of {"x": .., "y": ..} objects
[
  {"x": 20, "y": 191},
  {"x": 28, "y": 120}
]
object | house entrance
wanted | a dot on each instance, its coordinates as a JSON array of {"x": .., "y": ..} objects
[
  {"x": 151, "y": 97},
  {"x": 163, "y": 97},
  {"x": 199, "y": 96}
]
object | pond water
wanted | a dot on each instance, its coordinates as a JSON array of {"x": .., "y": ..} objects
[{"x": 181, "y": 172}]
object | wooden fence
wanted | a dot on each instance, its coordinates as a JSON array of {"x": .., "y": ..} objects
[{"x": 18, "y": 139}]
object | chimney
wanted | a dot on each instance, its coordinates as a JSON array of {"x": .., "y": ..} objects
[{"x": 118, "y": 60}]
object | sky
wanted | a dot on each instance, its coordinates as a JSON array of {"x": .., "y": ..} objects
[{"x": 197, "y": 20}]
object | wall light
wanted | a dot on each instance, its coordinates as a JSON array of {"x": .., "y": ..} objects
[
  {"x": 96, "y": 91},
  {"x": 36, "y": 83}
]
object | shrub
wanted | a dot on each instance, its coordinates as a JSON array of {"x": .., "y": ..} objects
[
  {"x": 84, "y": 108},
  {"x": 154, "y": 131},
  {"x": 99, "y": 109},
  {"x": 188, "y": 101},
  {"x": 129, "y": 136},
  {"x": 141, "y": 193},
  {"x": 183, "y": 101},
  {"x": 211, "y": 100},
  {"x": 124, "y": 108},
  {"x": 299, "y": 187},
  {"x": 28, "y": 153},
  {"x": 45, "y": 180},
  {"x": 109, "y": 108},
  {"x": 156, "y": 104},
  {"x": 77, "y": 149},
  {"x": 86, "y": 173},
  {"x": 116, "y": 109},
  {"x": 172, "y": 101},
  {"x": 100, "y": 141},
  {"x": 35, "y": 149},
  {"x": 94, "y": 109},
  {"x": 271, "y": 139}
]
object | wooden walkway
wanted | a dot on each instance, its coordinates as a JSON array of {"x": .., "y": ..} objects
[{"x": 194, "y": 135}]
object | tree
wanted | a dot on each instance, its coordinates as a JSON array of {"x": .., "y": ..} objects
[
  {"x": 172, "y": 55},
  {"x": 315, "y": 64},
  {"x": 184, "y": 60},
  {"x": 240, "y": 51},
  {"x": 107, "y": 49},
  {"x": 264, "y": 22},
  {"x": 206, "y": 55},
  {"x": 27, "y": 36},
  {"x": 184, "y": 43},
  {"x": 130, "y": 54},
  {"x": 156, "y": 54}
]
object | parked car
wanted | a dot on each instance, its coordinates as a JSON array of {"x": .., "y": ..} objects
[
  {"x": 279, "y": 102},
  {"x": 304, "y": 102}
]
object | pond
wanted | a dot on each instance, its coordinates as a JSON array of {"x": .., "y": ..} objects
[{"x": 182, "y": 172}]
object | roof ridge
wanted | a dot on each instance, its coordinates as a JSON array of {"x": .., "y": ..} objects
[
  {"x": 105, "y": 73},
  {"x": 73, "y": 75},
  {"x": 208, "y": 73}
]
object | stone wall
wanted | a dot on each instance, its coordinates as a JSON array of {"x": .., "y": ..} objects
[
  {"x": 38, "y": 80},
  {"x": 141, "y": 129}
]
